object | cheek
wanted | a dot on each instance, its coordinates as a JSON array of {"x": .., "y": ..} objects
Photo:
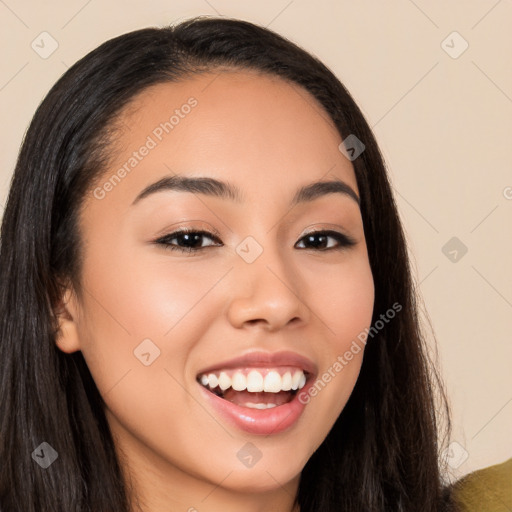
[
  {"x": 131, "y": 321},
  {"x": 138, "y": 297},
  {"x": 142, "y": 319},
  {"x": 343, "y": 299}
]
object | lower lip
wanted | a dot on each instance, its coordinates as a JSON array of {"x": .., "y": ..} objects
[{"x": 258, "y": 421}]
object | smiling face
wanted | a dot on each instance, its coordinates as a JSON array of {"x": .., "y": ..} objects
[{"x": 198, "y": 341}]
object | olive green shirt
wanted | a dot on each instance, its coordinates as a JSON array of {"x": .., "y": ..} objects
[{"x": 486, "y": 490}]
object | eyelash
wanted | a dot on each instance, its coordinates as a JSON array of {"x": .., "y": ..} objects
[{"x": 344, "y": 241}]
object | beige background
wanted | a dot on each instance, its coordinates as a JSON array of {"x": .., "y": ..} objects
[{"x": 443, "y": 123}]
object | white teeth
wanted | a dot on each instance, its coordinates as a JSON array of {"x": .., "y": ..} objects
[
  {"x": 212, "y": 380},
  {"x": 286, "y": 382},
  {"x": 254, "y": 382},
  {"x": 224, "y": 381},
  {"x": 239, "y": 382},
  {"x": 295, "y": 379},
  {"x": 272, "y": 382},
  {"x": 259, "y": 406}
]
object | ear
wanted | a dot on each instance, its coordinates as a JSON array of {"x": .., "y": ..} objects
[{"x": 67, "y": 338}]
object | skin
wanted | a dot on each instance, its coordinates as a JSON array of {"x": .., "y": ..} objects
[{"x": 268, "y": 138}]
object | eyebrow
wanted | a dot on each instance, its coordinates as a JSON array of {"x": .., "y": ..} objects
[{"x": 217, "y": 188}]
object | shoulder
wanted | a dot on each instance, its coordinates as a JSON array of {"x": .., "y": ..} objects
[{"x": 486, "y": 490}]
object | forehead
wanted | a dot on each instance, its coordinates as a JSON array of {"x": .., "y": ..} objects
[{"x": 259, "y": 132}]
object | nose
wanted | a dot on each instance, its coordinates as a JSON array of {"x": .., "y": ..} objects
[{"x": 267, "y": 293}]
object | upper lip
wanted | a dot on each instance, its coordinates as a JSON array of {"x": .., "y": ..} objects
[{"x": 265, "y": 359}]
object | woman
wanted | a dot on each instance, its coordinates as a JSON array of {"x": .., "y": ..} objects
[{"x": 206, "y": 302}]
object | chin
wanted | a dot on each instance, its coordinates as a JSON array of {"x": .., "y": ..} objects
[{"x": 262, "y": 480}]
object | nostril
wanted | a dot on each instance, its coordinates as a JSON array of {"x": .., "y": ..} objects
[{"x": 255, "y": 321}]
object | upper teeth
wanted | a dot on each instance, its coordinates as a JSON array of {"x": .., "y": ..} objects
[{"x": 256, "y": 381}]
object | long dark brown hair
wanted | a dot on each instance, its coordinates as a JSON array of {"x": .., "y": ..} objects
[{"x": 381, "y": 455}]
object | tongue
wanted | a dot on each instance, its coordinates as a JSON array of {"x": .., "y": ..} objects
[{"x": 242, "y": 397}]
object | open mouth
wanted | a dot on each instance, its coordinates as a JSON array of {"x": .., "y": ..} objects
[{"x": 255, "y": 388}]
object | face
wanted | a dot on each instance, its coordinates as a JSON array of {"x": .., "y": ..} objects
[{"x": 198, "y": 340}]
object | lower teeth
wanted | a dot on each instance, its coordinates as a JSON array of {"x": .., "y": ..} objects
[
  {"x": 259, "y": 406},
  {"x": 252, "y": 405}
]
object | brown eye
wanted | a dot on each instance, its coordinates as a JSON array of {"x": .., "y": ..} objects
[
  {"x": 187, "y": 240},
  {"x": 323, "y": 240}
]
